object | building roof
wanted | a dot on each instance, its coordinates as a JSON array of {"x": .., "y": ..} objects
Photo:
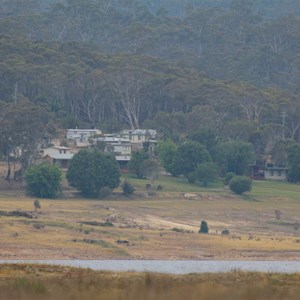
[
  {"x": 60, "y": 156},
  {"x": 123, "y": 157}
]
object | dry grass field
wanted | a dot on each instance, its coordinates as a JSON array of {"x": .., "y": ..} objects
[
  {"x": 35, "y": 282},
  {"x": 161, "y": 226}
]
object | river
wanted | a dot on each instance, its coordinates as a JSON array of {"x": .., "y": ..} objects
[{"x": 173, "y": 266}]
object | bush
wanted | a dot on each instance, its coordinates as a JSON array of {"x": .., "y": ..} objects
[
  {"x": 90, "y": 171},
  {"x": 104, "y": 192},
  {"x": 43, "y": 181},
  {"x": 206, "y": 172},
  {"x": 128, "y": 188},
  {"x": 225, "y": 232},
  {"x": 240, "y": 184},
  {"x": 191, "y": 177},
  {"x": 36, "y": 204},
  {"x": 203, "y": 227},
  {"x": 159, "y": 187},
  {"x": 228, "y": 177}
]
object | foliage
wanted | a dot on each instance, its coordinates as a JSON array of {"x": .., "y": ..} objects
[
  {"x": 166, "y": 151},
  {"x": 207, "y": 70},
  {"x": 294, "y": 163},
  {"x": 203, "y": 227},
  {"x": 228, "y": 177},
  {"x": 150, "y": 169},
  {"x": 23, "y": 126},
  {"x": 235, "y": 156},
  {"x": 206, "y": 172},
  {"x": 279, "y": 152},
  {"x": 128, "y": 188},
  {"x": 37, "y": 204},
  {"x": 136, "y": 161},
  {"x": 206, "y": 137},
  {"x": 186, "y": 158},
  {"x": 43, "y": 181},
  {"x": 104, "y": 192},
  {"x": 90, "y": 170},
  {"x": 240, "y": 184}
]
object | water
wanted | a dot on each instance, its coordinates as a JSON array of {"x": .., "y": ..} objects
[{"x": 174, "y": 266}]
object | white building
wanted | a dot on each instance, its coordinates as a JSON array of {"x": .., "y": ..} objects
[
  {"x": 82, "y": 135},
  {"x": 138, "y": 135}
]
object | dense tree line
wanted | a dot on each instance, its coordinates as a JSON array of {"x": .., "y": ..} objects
[
  {"x": 230, "y": 40},
  {"x": 209, "y": 71}
]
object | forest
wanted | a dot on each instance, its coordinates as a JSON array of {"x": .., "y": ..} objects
[{"x": 171, "y": 65}]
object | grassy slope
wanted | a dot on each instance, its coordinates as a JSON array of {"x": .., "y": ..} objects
[{"x": 147, "y": 223}]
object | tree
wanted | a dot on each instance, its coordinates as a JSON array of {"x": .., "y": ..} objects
[
  {"x": 187, "y": 157},
  {"x": 206, "y": 172},
  {"x": 207, "y": 137},
  {"x": 43, "y": 181},
  {"x": 23, "y": 125},
  {"x": 294, "y": 163},
  {"x": 136, "y": 161},
  {"x": 127, "y": 87},
  {"x": 150, "y": 169},
  {"x": 240, "y": 184},
  {"x": 235, "y": 156},
  {"x": 279, "y": 152},
  {"x": 166, "y": 151},
  {"x": 90, "y": 170}
]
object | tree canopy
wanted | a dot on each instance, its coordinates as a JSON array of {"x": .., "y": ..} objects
[
  {"x": 90, "y": 170},
  {"x": 175, "y": 66},
  {"x": 187, "y": 157},
  {"x": 43, "y": 181}
]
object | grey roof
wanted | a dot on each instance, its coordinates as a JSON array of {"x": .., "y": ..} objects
[
  {"x": 123, "y": 157},
  {"x": 61, "y": 155}
]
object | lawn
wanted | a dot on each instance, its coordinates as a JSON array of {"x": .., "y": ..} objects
[{"x": 172, "y": 184}]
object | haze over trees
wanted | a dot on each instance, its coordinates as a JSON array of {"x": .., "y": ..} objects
[{"x": 176, "y": 66}]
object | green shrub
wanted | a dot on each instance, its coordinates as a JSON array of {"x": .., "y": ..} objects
[
  {"x": 240, "y": 184},
  {"x": 43, "y": 181},
  {"x": 203, "y": 227},
  {"x": 104, "y": 192},
  {"x": 228, "y": 177},
  {"x": 90, "y": 171},
  {"x": 128, "y": 188}
]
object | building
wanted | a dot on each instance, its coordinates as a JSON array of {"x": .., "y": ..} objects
[
  {"x": 276, "y": 173},
  {"x": 55, "y": 150},
  {"x": 59, "y": 159},
  {"x": 270, "y": 172},
  {"x": 82, "y": 136},
  {"x": 58, "y": 155},
  {"x": 138, "y": 135}
]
